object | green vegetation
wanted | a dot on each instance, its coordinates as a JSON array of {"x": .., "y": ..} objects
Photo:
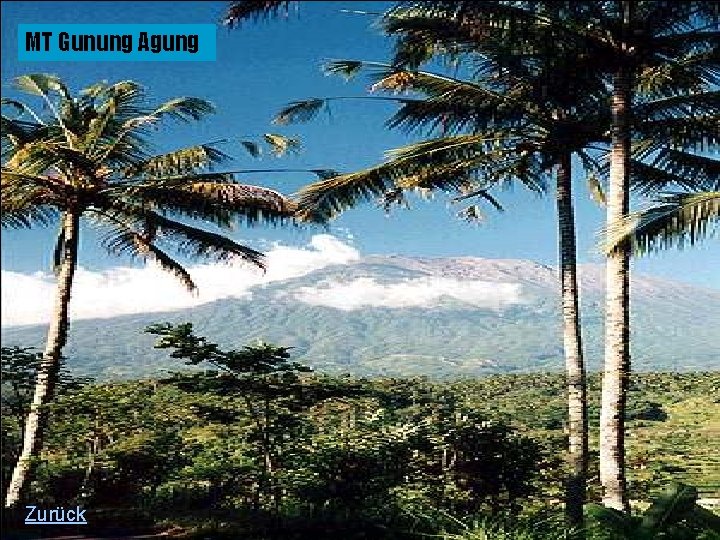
[{"x": 266, "y": 447}]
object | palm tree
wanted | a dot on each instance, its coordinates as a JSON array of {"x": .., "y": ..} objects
[
  {"x": 555, "y": 154},
  {"x": 472, "y": 164},
  {"x": 668, "y": 44},
  {"x": 610, "y": 43},
  {"x": 640, "y": 37},
  {"x": 88, "y": 158},
  {"x": 549, "y": 135},
  {"x": 535, "y": 137}
]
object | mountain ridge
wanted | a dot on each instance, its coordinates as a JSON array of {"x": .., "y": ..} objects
[{"x": 396, "y": 315}]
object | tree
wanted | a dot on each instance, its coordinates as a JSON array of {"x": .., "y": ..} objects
[
  {"x": 679, "y": 42},
  {"x": 609, "y": 41},
  {"x": 88, "y": 157},
  {"x": 19, "y": 371},
  {"x": 526, "y": 115},
  {"x": 669, "y": 70},
  {"x": 514, "y": 135},
  {"x": 262, "y": 374}
]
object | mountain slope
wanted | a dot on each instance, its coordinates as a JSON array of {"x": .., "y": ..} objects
[{"x": 407, "y": 316}]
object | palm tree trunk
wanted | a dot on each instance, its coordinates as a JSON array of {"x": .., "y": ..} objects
[
  {"x": 49, "y": 366},
  {"x": 617, "y": 324},
  {"x": 572, "y": 342}
]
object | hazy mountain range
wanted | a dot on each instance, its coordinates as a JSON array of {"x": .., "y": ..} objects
[{"x": 406, "y": 316}]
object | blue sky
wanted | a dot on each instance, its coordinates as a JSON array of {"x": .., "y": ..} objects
[{"x": 261, "y": 67}]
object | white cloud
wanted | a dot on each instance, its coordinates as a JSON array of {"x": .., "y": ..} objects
[
  {"x": 28, "y": 298},
  {"x": 413, "y": 292}
]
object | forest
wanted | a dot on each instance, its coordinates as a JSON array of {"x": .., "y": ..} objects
[{"x": 266, "y": 448}]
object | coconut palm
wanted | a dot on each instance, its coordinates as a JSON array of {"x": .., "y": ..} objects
[
  {"x": 607, "y": 42},
  {"x": 512, "y": 138},
  {"x": 668, "y": 45},
  {"x": 86, "y": 157},
  {"x": 538, "y": 128},
  {"x": 640, "y": 36},
  {"x": 533, "y": 150}
]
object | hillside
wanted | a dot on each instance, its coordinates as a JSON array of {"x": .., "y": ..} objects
[{"x": 412, "y": 316}]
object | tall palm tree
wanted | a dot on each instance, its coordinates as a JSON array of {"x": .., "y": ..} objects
[
  {"x": 536, "y": 137},
  {"x": 610, "y": 42},
  {"x": 88, "y": 158},
  {"x": 639, "y": 37},
  {"x": 672, "y": 45},
  {"x": 460, "y": 107},
  {"x": 552, "y": 135},
  {"x": 472, "y": 164}
]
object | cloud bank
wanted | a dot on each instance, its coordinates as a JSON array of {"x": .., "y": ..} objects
[
  {"x": 28, "y": 298},
  {"x": 413, "y": 292}
]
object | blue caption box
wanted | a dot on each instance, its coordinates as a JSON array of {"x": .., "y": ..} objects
[{"x": 116, "y": 42}]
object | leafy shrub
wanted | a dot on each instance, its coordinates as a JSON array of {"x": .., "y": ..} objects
[
  {"x": 675, "y": 515},
  {"x": 537, "y": 527}
]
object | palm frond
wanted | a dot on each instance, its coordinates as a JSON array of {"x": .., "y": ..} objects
[
  {"x": 702, "y": 170},
  {"x": 693, "y": 105},
  {"x": 252, "y": 203},
  {"x": 647, "y": 179},
  {"x": 200, "y": 244},
  {"x": 306, "y": 110},
  {"x": 256, "y": 10},
  {"x": 325, "y": 199},
  {"x": 38, "y": 157},
  {"x": 179, "y": 162},
  {"x": 251, "y": 147},
  {"x": 27, "y": 217},
  {"x": 153, "y": 228},
  {"x": 300, "y": 111},
  {"x": 459, "y": 147},
  {"x": 449, "y": 117},
  {"x": 116, "y": 115},
  {"x": 448, "y": 164},
  {"x": 21, "y": 108},
  {"x": 345, "y": 68},
  {"x": 27, "y": 201},
  {"x": 184, "y": 109},
  {"x": 449, "y": 104},
  {"x": 677, "y": 220},
  {"x": 281, "y": 145},
  {"x": 41, "y": 84},
  {"x": 213, "y": 197},
  {"x": 462, "y": 27},
  {"x": 12, "y": 182},
  {"x": 482, "y": 194},
  {"x": 123, "y": 240},
  {"x": 166, "y": 262}
]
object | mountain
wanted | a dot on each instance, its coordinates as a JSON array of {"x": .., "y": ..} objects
[{"x": 407, "y": 316}]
